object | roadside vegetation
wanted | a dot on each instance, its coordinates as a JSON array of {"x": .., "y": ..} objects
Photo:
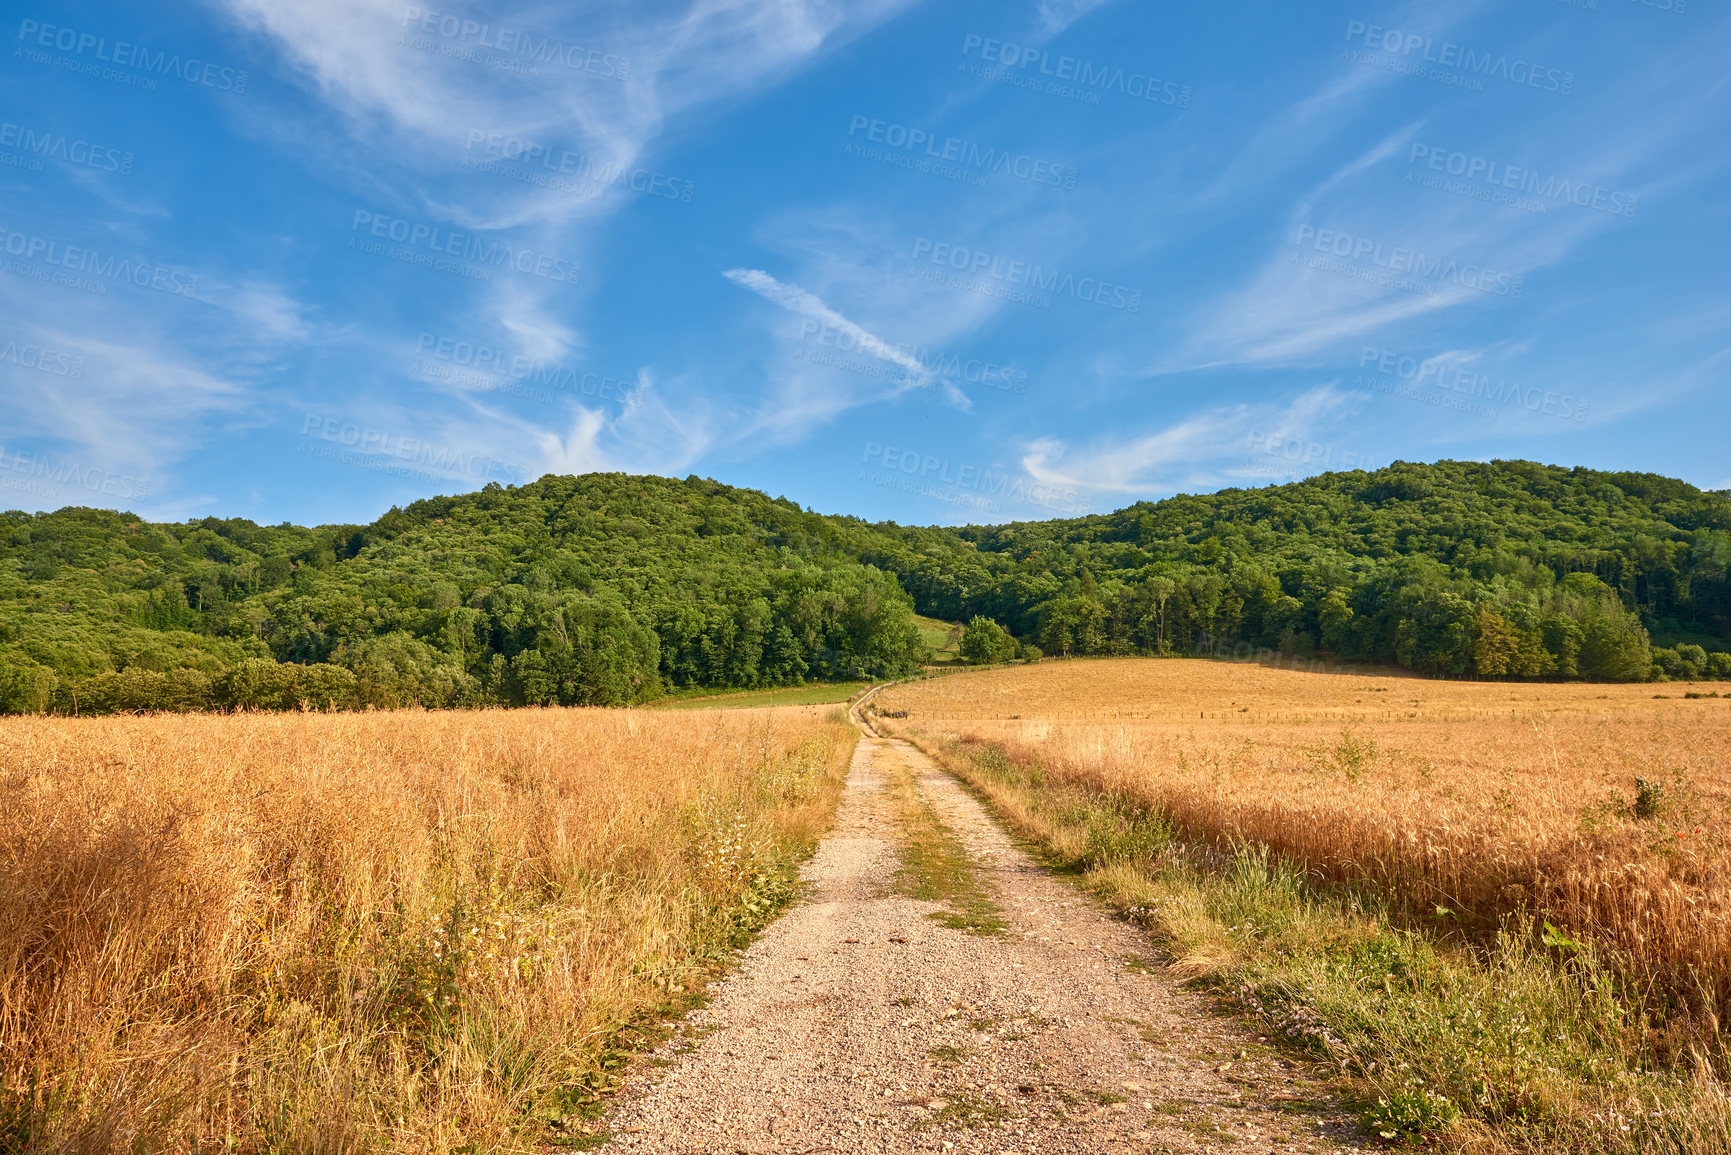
[
  {"x": 394, "y": 931},
  {"x": 1502, "y": 914}
]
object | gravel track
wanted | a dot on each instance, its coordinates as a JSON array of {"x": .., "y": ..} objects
[{"x": 856, "y": 1023}]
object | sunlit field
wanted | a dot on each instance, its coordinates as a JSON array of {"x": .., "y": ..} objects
[
  {"x": 1499, "y": 912},
  {"x": 813, "y": 694},
  {"x": 1605, "y": 808},
  {"x": 396, "y": 930}
]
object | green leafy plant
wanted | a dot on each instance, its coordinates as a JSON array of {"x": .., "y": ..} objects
[
  {"x": 1411, "y": 1115},
  {"x": 1649, "y": 798}
]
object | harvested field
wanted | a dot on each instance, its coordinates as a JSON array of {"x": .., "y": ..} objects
[{"x": 399, "y": 930}]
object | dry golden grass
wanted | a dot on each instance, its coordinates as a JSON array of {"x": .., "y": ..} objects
[
  {"x": 396, "y": 930},
  {"x": 1483, "y": 799}
]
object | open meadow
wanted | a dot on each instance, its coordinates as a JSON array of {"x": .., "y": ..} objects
[
  {"x": 1504, "y": 833},
  {"x": 391, "y": 930}
]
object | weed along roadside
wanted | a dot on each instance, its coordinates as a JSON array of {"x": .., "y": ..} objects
[{"x": 1470, "y": 1033}]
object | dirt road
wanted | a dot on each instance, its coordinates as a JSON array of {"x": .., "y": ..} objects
[{"x": 858, "y": 1022}]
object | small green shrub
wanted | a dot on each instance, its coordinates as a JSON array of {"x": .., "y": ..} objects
[
  {"x": 1410, "y": 1115},
  {"x": 1649, "y": 798}
]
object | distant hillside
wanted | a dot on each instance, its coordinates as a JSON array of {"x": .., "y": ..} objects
[
  {"x": 1503, "y": 569},
  {"x": 609, "y": 588}
]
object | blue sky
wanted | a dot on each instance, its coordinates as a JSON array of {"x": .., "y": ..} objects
[{"x": 932, "y": 263}]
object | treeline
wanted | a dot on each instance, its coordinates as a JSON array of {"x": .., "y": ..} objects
[
  {"x": 1504, "y": 570},
  {"x": 603, "y": 590},
  {"x": 611, "y": 589},
  {"x": 1576, "y": 630},
  {"x": 254, "y": 684}
]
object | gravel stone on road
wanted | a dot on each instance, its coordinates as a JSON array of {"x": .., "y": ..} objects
[{"x": 856, "y": 1023}]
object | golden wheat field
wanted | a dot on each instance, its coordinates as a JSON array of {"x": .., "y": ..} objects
[
  {"x": 396, "y": 930},
  {"x": 1605, "y": 809}
]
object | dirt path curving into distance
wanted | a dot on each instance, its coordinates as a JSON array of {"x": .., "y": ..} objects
[{"x": 856, "y": 1023}]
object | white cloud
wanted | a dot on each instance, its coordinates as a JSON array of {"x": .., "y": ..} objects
[
  {"x": 646, "y": 437},
  {"x": 796, "y": 300},
  {"x": 267, "y": 314},
  {"x": 1306, "y": 297},
  {"x": 819, "y": 397},
  {"x": 1199, "y": 452},
  {"x": 134, "y": 411},
  {"x": 405, "y": 116},
  {"x": 414, "y": 105},
  {"x": 1057, "y": 15}
]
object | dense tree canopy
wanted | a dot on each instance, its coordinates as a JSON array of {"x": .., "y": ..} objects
[
  {"x": 609, "y": 588},
  {"x": 1501, "y": 569},
  {"x": 603, "y": 589}
]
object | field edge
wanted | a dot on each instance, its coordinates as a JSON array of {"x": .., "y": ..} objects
[{"x": 1297, "y": 960}]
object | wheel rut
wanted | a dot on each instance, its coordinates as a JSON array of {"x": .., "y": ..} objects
[{"x": 856, "y": 1022}]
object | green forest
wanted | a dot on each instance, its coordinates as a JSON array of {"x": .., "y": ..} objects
[{"x": 610, "y": 589}]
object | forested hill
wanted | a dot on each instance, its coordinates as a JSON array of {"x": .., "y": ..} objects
[
  {"x": 1506, "y": 568},
  {"x": 609, "y": 588}
]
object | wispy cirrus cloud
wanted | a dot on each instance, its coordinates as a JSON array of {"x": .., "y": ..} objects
[
  {"x": 1057, "y": 15},
  {"x": 1199, "y": 452},
  {"x": 823, "y": 403},
  {"x": 400, "y": 93},
  {"x": 420, "y": 83},
  {"x": 102, "y": 415}
]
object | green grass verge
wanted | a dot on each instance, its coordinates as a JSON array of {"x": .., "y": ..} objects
[
  {"x": 1519, "y": 1042},
  {"x": 943, "y": 637}
]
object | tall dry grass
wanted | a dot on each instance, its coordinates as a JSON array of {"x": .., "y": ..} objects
[
  {"x": 1602, "y": 809},
  {"x": 401, "y": 930}
]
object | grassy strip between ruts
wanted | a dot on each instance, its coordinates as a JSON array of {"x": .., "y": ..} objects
[
  {"x": 1522, "y": 1043},
  {"x": 936, "y": 866}
]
